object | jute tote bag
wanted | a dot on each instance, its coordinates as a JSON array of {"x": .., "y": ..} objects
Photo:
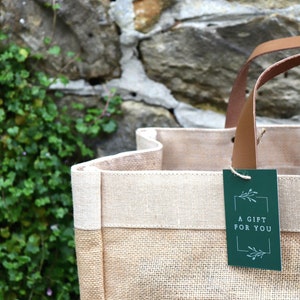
[{"x": 149, "y": 224}]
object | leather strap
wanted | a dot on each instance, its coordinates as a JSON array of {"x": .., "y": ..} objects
[
  {"x": 245, "y": 143},
  {"x": 238, "y": 93}
]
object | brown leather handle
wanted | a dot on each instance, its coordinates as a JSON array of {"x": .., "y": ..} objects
[
  {"x": 238, "y": 96},
  {"x": 245, "y": 143}
]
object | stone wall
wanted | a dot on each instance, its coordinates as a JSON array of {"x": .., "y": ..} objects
[{"x": 173, "y": 61}]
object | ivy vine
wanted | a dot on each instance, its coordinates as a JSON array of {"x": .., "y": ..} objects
[{"x": 38, "y": 144}]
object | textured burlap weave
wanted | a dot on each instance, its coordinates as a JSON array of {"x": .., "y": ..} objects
[
  {"x": 89, "y": 252},
  {"x": 179, "y": 264}
]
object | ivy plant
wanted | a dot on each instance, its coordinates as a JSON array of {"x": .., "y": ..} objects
[{"x": 38, "y": 144}]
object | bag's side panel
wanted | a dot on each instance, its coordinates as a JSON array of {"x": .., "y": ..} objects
[
  {"x": 155, "y": 264},
  {"x": 90, "y": 264},
  {"x": 86, "y": 190},
  {"x": 192, "y": 149}
]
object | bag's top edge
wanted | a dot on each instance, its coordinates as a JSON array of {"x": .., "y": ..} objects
[
  {"x": 86, "y": 167},
  {"x": 195, "y": 129}
]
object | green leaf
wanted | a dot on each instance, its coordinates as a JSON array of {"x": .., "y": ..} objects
[
  {"x": 38, "y": 56},
  {"x": 77, "y": 106},
  {"x": 70, "y": 54},
  {"x": 38, "y": 135},
  {"x": 3, "y": 36},
  {"x": 63, "y": 79},
  {"x": 47, "y": 40},
  {"x": 5, "y": 232},
  {"x": 55, "y": 50},
  {"x": 2, "y": 115},
  {"x": 24, "y": 74},
  {"x": 23, "y": 54},
  {"x": 58, "y": 94},
  {"x": 56, "y": 6},
  {"x": 60, "y": 212},
  {"x": 35, "y": 90},
  {"x": 43, "y": 79},
  {"x": 94, "y": 130},
  {"x": 13, "y": 131},
  {"x": 28, "y": 187},
  {"x": 33, "y": 244},
  {"x": 81, "y": 126},
  {"x": 110, "y": 126}
]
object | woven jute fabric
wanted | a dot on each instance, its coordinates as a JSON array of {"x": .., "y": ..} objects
[
  {"x": 89, "y": 252},
  {"x": 179, "y": 264}
]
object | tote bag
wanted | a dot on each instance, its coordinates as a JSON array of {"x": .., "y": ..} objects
[{"x": 149, "y": 224}]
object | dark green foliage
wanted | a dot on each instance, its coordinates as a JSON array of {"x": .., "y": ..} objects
[{"x": 38, "y": 144}]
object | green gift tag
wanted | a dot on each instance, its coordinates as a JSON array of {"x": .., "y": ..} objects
[{"x": 252, "y": 219}]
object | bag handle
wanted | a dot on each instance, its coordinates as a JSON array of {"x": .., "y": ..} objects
[
  {"x": 245, "y": 143},
  {"x": 238, "y": 92}
]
